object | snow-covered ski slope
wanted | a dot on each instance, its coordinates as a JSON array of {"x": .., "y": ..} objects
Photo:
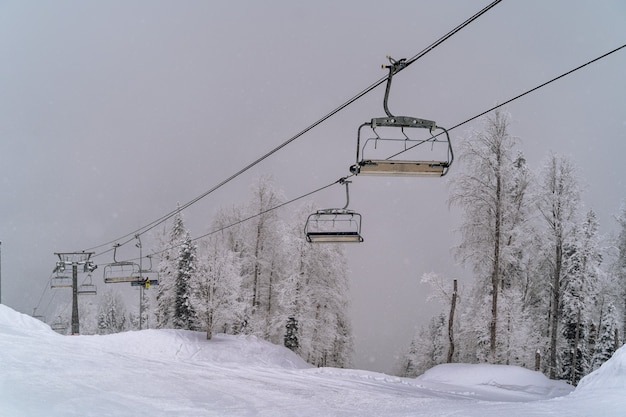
[{"x": 180, "y": 373}]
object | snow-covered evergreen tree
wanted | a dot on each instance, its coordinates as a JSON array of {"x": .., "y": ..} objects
[
  {"x": 291, "y": 340},
  {"x": 185, "y": 316},
  {"x": 177, "y": 274},
  {"x": 168, "y": 266},
  {"x": 607, "y": 340},
  {"x": 111, "y": 313},
  {"x": 580, "y": 286}
]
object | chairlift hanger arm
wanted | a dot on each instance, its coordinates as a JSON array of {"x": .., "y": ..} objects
[{"x": 394, "y": 67}]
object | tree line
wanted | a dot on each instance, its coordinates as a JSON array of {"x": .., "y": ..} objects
[
  {"x": 256, "y": 275},
  {"x": 548, "y": 291}
]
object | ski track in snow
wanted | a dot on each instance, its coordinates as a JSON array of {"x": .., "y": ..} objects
[{"x": 180, "y": 373}]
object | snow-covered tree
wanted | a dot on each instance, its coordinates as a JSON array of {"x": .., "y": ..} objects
[
  {"x": 558, "y": 200},
  {"x": 315, "y": 295},
  {"x": 427, "y": 349},
  {"x": 111, "y": 313},
  {"x": 168, "y": 267},
  {"x": 492, "y": 203},
  {"x": 607, "y": 340},
  {"x": 216, "y": 297},
  {"x": 291, "y": 339},
  {"x": 177, "y": 272},
  {"x": 261, "y": 260},
  {"x": 185, "y": 316},
  {"x": 620, "y": 264},
  {"x": 448, "y": 295},
  {"x": 580, "y": 286}
]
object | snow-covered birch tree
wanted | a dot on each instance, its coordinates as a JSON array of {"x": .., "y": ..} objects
[
  {"x": 217, "y": 294},
  {"x": 261, "y": 259},
  {"x": 558, "y": 200},
  {"x": 482, "y": 190}
]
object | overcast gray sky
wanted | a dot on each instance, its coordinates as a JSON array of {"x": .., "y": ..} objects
[{"x": 112, "y": 112}]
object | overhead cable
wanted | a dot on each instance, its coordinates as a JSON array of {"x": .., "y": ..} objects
[
  {"x": 518, "y": 96},
  {"x": 409, "y": 148},
  {"x": 164, "y": 218}
]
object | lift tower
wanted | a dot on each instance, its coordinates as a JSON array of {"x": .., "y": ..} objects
[{"x": 74, "y": 259}]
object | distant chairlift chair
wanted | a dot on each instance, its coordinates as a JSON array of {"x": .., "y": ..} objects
[
  {"x": 334, "y": 225},
  {"x": 59, "y": 325},
  {"x": 87, "y": 287},
  {"x": 61, "y": 281}
]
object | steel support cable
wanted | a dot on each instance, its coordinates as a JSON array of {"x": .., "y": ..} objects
[
  {"x": 238, "y": 222},
  {"x": 44, "y": 291},
  {"x": 448, "y": 35},
  {"x": 162, "y": 219},
  {"x": 517, "y": 97},
  {"x": 409, "y": 148}
]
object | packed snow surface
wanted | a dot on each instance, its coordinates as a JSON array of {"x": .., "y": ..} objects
[{"x": 180, "y": 373}]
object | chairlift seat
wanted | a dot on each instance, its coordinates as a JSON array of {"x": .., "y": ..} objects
[
  {"x": 401, "y": 168},
  {"x": 114, "y": 279},
  {"x": 336, "y": 237},
  {"x": 87, "y": 289}
]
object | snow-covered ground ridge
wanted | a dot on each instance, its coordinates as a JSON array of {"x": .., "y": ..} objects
[{"x": 180, "y": 373}]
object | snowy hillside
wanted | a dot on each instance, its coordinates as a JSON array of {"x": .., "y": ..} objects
[{"x": 179, "y": 373}]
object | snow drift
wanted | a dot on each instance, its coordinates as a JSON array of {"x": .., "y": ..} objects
[{"x": 180, "y": 373}]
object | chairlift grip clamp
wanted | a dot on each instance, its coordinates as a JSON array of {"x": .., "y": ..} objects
[{"x": 403, "y": 121}]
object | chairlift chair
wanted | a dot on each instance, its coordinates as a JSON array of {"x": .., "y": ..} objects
[
  {"x": 334, "y": 225},
  {"x": 87, "y": 288},
  {"x": 120, "y": 272},
  {"x": 61, "y": 281},
  {"x": 59, "y": 325},
  {"x": 38, "y": 316},
  {"x": 398, "y": 143}
]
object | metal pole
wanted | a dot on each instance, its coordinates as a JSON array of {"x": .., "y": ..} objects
[
  {"x": 75, "y": 325},
  {"x": 141, "y": 284}
]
